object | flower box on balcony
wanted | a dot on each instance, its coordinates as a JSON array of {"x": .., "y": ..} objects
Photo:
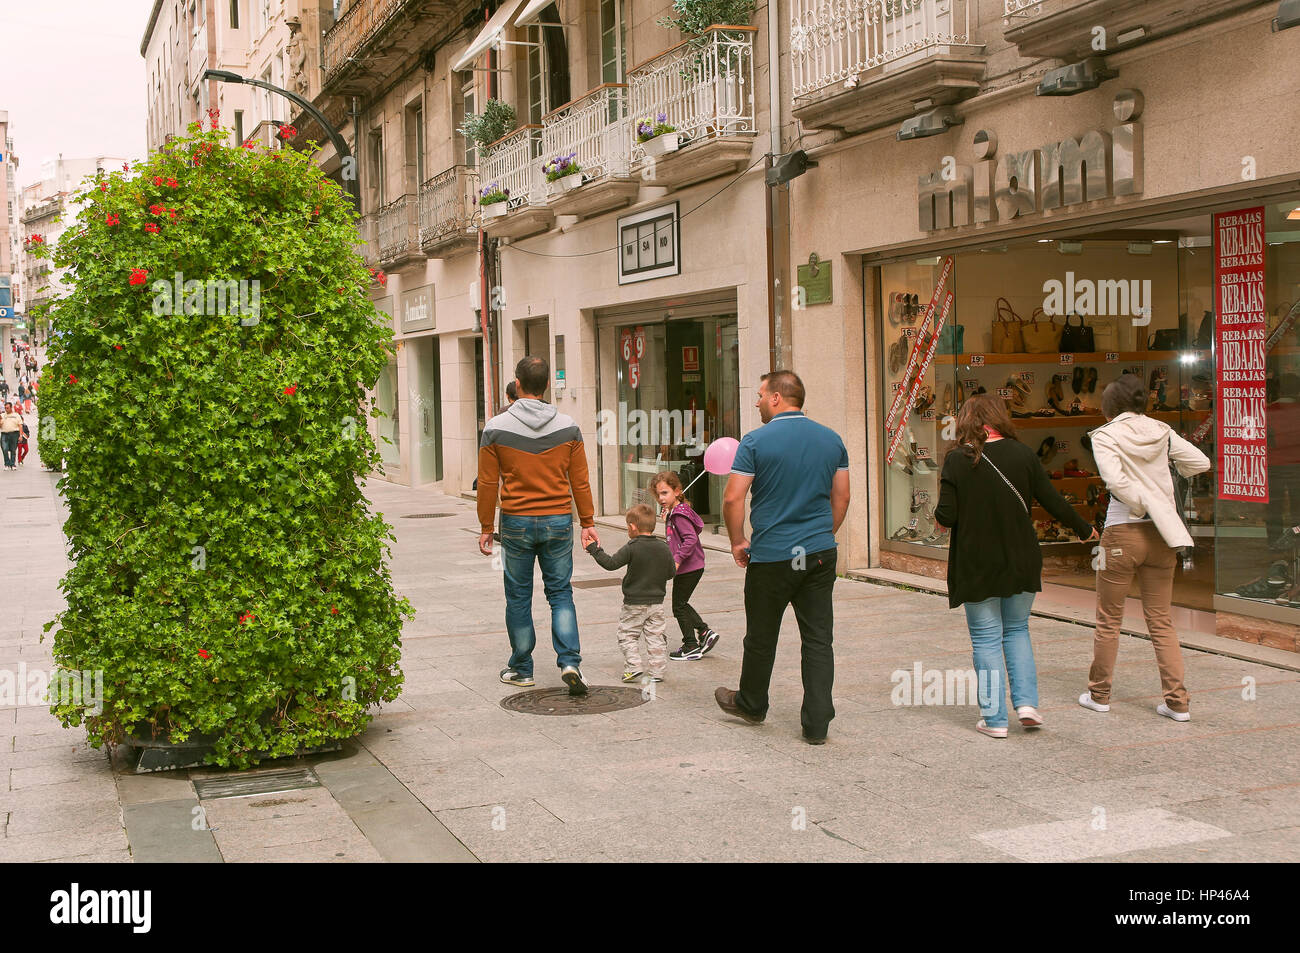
[
  {"x": 566, "y": 183},
  {"x": 662, "y": 144},
  {"x": 495, "y": 209}
]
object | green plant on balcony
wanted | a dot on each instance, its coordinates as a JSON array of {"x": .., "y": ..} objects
[
  {"x": 647, "y": 129},
  {"x": 485, "y": 128},
  {"x": 561, "y": 166},
  {"x": 492, "y": 194},
  {"x": 693, "y": 17}
]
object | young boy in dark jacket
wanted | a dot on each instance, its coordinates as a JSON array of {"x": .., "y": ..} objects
[
  {"x": 649, "y": 565},
  {"x": 682, "y": 526}
]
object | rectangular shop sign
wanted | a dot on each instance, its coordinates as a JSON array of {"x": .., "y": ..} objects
[
  {"x": 1240, "y": 350},
  {"x": 417, "y": 309},
  {"x": 650, "y": 243}
]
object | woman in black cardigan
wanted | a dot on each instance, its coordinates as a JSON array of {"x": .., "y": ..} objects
[{"x": 990, "y": 479}]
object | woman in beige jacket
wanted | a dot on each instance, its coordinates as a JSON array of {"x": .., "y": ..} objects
[{"x": 1143, "y": 532}]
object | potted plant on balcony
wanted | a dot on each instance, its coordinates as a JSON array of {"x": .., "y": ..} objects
[
  {"x": 487, "y": 127},
  {"x": 657, "y": 137},
  {"x": 494, "y": 200},
  {"x": 563, "y": 174}
]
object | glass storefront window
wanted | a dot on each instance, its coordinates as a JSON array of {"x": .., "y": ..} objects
[
  {"x": 388, "y": 423},
  {"x": 677, "y": 389},
  {"x": 1258, "y": 553}
]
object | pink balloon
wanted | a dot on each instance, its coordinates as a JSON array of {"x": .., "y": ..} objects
[{"x": 720, "y": 454}]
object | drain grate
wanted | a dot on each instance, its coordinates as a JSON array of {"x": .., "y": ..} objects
[
  {"x": 249, "y": 783},
  {"x": 426, "y": 516},
  {"x": 558, "y": 701},
  {"x": 597, "y": 583}
]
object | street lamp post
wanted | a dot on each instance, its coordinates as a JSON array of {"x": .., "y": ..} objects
[{"x": 349, "y": 174}]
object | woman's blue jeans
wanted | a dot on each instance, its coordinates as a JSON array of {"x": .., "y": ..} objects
[
  {"x": 549, "y": 539},
  {"x": 999, "y": 628}
]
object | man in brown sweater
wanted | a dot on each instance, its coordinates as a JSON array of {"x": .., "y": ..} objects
[{"x": 536, "y": 456}]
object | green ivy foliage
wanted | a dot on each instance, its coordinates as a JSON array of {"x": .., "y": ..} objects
[{"x": 228, "y": 577}]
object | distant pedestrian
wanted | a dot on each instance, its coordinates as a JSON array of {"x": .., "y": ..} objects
[
  {"x": 11, "y": 428},
  {"x": 537, "y": 456},
  {"x": 798, "y": 472},
  {"x": 649, "y": 565},
  {"x": 512, "y": 392},
  {"x": 1143, "y": 528},
  {"x": 22, "y": 443},
  {"x": 995, "y": 565},
  {"x": 682, "y": 527}
]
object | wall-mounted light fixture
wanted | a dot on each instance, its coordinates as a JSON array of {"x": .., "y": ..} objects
[
  {"x": 1070, "y": 248},
  {"x": 1288, "y": 15},
  {"x": 1075, "y": 78},
  {"x": 933, "y": 122}
]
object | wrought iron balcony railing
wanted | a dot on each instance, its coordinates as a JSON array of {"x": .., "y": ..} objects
[
  {"x": 514, "y": 163},
  {"x": 832, "y": 41},
  {"x": 448, "y": 205},
  {"x": 703, "y": 86},
  {"x": 358, "y": 25},
  {"x": 398, "y": 229},
  {"x": 595, "y": 128}
]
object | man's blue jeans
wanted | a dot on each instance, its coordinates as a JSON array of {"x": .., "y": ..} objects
[
  {"x": 550, "y": 540},
  {"x": 1000, "y": 628}
]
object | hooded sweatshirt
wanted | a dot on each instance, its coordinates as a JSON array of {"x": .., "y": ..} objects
[
  {"x": 682, "y": 527},
  {"x": 1133, "y": 453},
  {"x": 536, "y": 455}
]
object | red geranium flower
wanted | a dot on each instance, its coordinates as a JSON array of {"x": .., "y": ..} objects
[
  {"x": 171, "y": 212},
  {"x": 126, "y": 167},
  {"x": 152, "y": 228},
  {"x": 334, "y": 610},
  {"x": 157, "y": 180},
  {"x": 72, "y": 378},
  {"x": 111, "y": 219},
  {"x": 156, "y": 209},
  {"x": 172, "y": 183},
  {"x": 139, "y": 276},
  {"x": 203, "y": 653},
  {"x": 245, "y": 617},
  {"x": 248, "y": 144},
  {"x": 103, "y": 186},
  {"x": 117, "y": 347},
  {"x": 291, "y": 390}
]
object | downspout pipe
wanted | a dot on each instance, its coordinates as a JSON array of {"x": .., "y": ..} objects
[{"x": 775, "y": 313}]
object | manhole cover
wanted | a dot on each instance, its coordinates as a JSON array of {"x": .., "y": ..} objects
[
  {"x": 597, "y": 583},
  {"x": 425, "y": 516},
  {"x": 256, "y": 782},
  {"x": 558, "y": 701}
]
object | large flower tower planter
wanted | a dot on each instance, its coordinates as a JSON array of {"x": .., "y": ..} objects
[{"x": 206, "y": 389}]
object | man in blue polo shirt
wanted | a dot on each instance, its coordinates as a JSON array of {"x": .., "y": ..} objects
[{"x": 798, "y": 473}]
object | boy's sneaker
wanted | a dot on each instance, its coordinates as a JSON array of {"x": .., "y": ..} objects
[
  {"x": 573, "y": 678},
  {"x": 1163, "y": 709},
  {"x": 709, "y": 640},
  {"x": 631, "y": 676},
  {"x": 687, "y": 653},
  {"x": 1086, "y": 701},
  {"x": 511, "y": 677}
]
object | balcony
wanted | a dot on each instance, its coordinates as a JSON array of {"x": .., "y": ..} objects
[
  {"x": 449, "y": 212},
  {"x": 376, "y": 38},
  {"x": 197, "y": 61},
  {"x": 1063, "y": 29},
  {"x": 859, "y": 64},
  {"x": 399, "y": 232},
  {"x": 367, "y": 240},
  {"x": 514, "y": 163},
  {"x": 596, "y": 129},
  {"x": 705, "y": 89}
]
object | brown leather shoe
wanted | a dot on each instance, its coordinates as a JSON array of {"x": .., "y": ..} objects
[{"x": 726, "y": 700}]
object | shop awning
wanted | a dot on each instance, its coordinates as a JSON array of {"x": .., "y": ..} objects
[
  {"x": 489, "y": 37},
  {"x": 533, "y": 12}
]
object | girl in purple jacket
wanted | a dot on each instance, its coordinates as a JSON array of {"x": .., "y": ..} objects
[{"x": 682, "y": 525}]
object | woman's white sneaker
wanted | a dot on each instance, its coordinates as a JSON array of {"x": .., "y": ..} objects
[
  {"x": 1086, "y": 701},
  {"x": 991, "y": 732},
  {"x": 1163, "y": 709},
  {"x": 1029, "y": 717}
]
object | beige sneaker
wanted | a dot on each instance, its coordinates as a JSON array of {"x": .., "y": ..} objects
[
  {"x": 1029, "y": 717},
  {"x": 991, "y": 732}
]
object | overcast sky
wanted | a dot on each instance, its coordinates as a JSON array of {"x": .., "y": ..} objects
[{"x": 73, "y": 79}]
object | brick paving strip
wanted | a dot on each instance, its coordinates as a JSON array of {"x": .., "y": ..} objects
[{"x": 444, "y": 773}]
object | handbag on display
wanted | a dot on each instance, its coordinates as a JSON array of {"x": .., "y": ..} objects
[
  {"x": 1008, "y": 333},
  {"x": 1105, "y": 334},
  {"x": 1205, "y": 333},
  {"x": 1076, "y": 338},
  {"x": 1165, "y": 339},
  {"x": 1041, "y": 337},
  {"x": 951, "y": 339}
]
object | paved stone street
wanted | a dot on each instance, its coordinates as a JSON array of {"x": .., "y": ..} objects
[{"x": 446, "y": 773}]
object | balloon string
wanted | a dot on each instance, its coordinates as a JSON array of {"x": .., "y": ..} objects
[{"x": 693, "y": 482}]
